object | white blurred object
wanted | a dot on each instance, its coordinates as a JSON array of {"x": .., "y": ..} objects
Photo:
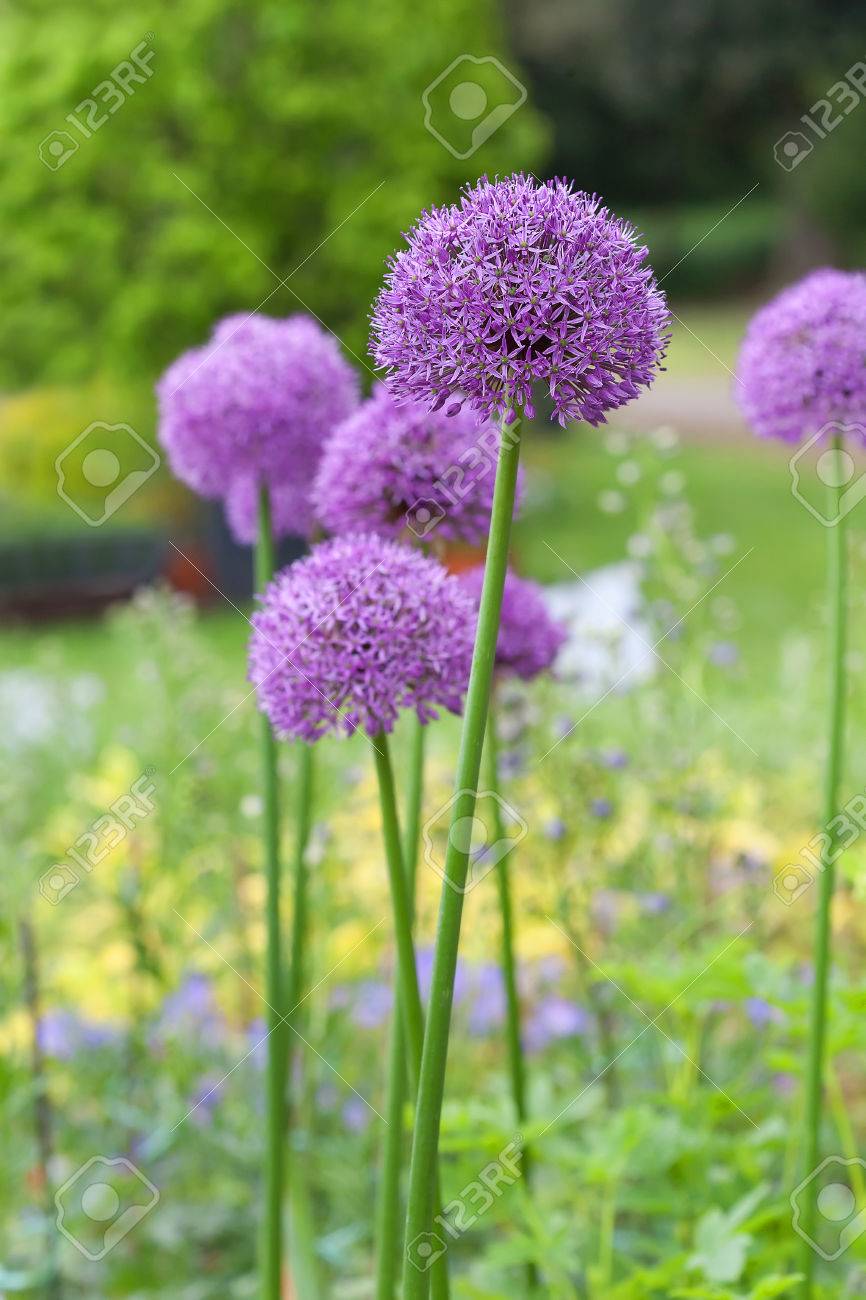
[{"x": 609, "y": 639}]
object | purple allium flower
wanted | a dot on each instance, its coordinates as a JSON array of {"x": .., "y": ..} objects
[
  {"x": 256, "y": 400},
  {"x": 521, "y": 282},
  {"x": 801, "y": 362},
  {"x": 554, "y": 1017},
  {"x": 356, "y": 631},
  {"x": 529, "y": 637},
  {"x": 291, "y": 512},
  {"x": 390, "y": 467}
]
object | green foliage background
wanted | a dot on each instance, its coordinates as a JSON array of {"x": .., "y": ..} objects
[{"x": 299, "y": 124}]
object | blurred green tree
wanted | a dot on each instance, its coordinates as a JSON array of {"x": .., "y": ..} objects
[{"x": 272, "y": 142}]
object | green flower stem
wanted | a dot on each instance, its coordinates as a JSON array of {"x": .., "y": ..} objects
[
  {"x": 407, "y": 972},
  {"x": 432, "y": 1082},
  {"x": 836, "y": 590},
  {"x": 303, "y": 1251},
  {"x": 516, "y": 1061},
  {"x": 274, "y": 1137},
  {"x": 388, "y": 1199}
]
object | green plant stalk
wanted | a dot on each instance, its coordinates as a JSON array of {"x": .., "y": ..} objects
[
  {"x": 272, "y": 1244},
  {"x": 407, "y": 971},
  {"x": 303, "y": 1250},
  {"x": 516, "y": 1060},
  {"x": 425, "y": 1140},
  {"x": 388, "y": 1198},
  {"x": 836, "y": 591}
]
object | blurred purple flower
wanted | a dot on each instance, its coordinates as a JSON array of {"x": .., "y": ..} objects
[
  {"x": 654, "y": 904},
  {"x": 372, "y": 1004},
  {"x": 554, "y": 1018},
  {"x": 554, "y": 828},
  {"x": 724, "y": 654},
  {"x": 192, "y": 1009},
  {"x": 615, "y": 758},
  {"x": 801, "y": 362},
  {"x": 256, "y": 400},
  {"x": 206, "y": 1098},
  {"x": 487, "y": 998},
  {"x": 762, "y": 1013},
  {"x": 356, "y": 1115},
  {"x": 601, "y": 808},
  {"x": 390, "y": 466},
  {"x": 529, "y": 636}
]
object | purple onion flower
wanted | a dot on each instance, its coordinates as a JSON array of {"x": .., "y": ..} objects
[
  {"x": 529, "y": 637},
  {"x": 356, "y": 631},
  {"x": 256, "y": 401},
  {"x": 801, "y": 362},
  {"x": 521, "y": 282},
  {"x": 389, "y": 467}
]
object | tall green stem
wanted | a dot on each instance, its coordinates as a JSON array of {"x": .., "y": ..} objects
[
  {"x": 432, "y": 1082},
  {"x": 275, "y": 1135},
  {"x": 516, "y": 1061},
  {"x": 303, "y": 1253},
  {"x": 410, "y": 994},
  {"x": 836, "y": 591},
  {"x": 388, "y": 1200}
]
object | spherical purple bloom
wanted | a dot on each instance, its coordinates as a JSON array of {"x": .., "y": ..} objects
[
  {"x": 801, "y": 365},
  {"x": 390, "y": 466},
  {"x": 256, "y": 400},
  {"x": 519, "y": 283},
  {"x": 529, "y": 637},
  {"x": 291, "y": 511},
  {"x": 356, "y": 631},
  {"x": 601, "y": 807}
]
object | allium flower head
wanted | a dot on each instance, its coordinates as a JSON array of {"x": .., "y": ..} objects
[
  {"x": 520, "y": 283},
  {"x": 529, "y": 638},
  {"x": 291, "y": 512},
  {"x": 390, "y": 466},
  {"x": 802, "y": 364},
  {"x": 358, "y": 630},
  {"x": 256, "y": 400}
]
